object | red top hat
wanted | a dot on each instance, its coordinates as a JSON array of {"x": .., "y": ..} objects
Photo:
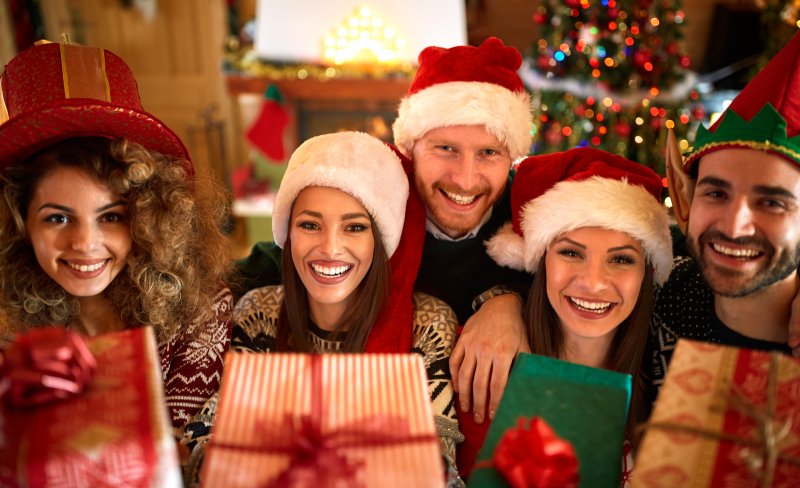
[{"x": 52, "y": 92}]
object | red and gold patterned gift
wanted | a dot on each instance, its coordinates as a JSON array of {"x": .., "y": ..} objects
[
  {"x": 324, "y": 420},
  {"x": 103, "y": 424},
  {"x": 724, "y": 417}
]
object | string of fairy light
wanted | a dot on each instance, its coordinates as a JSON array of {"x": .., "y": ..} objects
[{"x": 609, "y": 73}]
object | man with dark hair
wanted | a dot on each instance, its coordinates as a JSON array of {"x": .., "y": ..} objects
[{"x": 737, "y": 197}]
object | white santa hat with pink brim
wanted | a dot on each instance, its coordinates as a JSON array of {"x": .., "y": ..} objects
[
  {"x": 355, "y": 163},
  {"x": 467, "y": 85},
  {"x": 557, "y": 193}
]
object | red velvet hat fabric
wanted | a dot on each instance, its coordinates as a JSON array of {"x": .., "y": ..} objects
[
  {"x": 467, "y": 85},
  {"x": 491, "y": 62},
  {"x": 558, "y": 193},
  {"x": 52, "y": 92},
  {"x": 541, "y": 173}
]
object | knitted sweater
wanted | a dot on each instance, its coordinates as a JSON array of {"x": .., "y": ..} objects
[
  {"x": 458, "y": 271},
  {"x": 255, "y": 328}
]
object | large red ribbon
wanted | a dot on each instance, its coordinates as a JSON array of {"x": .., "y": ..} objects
[
  {"x": 316, "y": 457},
  {"x": 45, "y": 365},
  {"x": 535, "y": 457}
]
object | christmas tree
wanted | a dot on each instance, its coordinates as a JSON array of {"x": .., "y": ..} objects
[
  {"x": 611, "y": 74},
  {"x": 780, "y": 20}
]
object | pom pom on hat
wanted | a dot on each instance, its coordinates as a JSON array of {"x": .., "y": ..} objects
[
  {"x": 355, "y": 163},
  {"x": 561, "y": 192},
  {"x": 467, "y": 85}
]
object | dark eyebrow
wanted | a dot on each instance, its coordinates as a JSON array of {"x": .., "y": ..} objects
[
  {"x": 774, "y": 191},
  {"x": 766, "y": 190},
  {"x": 56, "y": 207},
  {"x": 714, "y": 181},
  {"x": 110, "y": 205},
  {"x": 349, "y": 216},
  {"x": 574, "y": 243},
  {"x": 623, "y": 248},
  {"x": 64, "y": 208},
  {"x": 355, "y": 215}
]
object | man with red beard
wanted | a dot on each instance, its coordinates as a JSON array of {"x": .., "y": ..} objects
[
  {"x": 737, "y": 197},
  {"x": 465, "y": 120}
]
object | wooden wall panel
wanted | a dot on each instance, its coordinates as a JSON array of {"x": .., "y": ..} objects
[{"x": 176, "y": 57}]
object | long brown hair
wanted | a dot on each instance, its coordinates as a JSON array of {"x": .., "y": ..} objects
[
  {"x": 179, "y": 254},
  {"x": 369, "y": 298},
  {"x": 626, "y": 352}
]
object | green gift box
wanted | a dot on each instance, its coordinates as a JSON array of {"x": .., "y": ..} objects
[{"x": 585, "y": 406}]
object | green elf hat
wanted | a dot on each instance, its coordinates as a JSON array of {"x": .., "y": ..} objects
[{"x": 764, "y": 116}]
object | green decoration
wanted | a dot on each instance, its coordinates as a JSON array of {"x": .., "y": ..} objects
[{"x": 586, "y": 406}]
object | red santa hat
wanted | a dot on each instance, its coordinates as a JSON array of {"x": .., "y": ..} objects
[
  {"x": 357, "y": 164},
  {"x": 584, "y": 187},
  {"x": 467, "y": 85}
]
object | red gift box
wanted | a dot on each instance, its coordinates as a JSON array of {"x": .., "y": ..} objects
[
  {"x": 724, "y": 417},
  {"x": 335, "y": 420},
  {"x": 116, "y": 432}
]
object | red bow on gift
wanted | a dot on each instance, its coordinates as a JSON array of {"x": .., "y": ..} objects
[
  {"x": 45, "y": 365},
  {"x": 315, "y": 456},
  {"x": 535, "y": 457}
]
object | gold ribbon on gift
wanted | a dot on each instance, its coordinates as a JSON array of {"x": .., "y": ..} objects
[
  {"x": 771, "y": 432},
  {"x": 84, "y": 72}
]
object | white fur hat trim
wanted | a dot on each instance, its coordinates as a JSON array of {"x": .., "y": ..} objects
[
  {"x": 506, "y": 114},
  {"x": 355, "y": 163},
  {"x": 594, "y": 202}
]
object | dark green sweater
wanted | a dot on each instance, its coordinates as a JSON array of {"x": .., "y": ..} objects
[{"x": 457, "y": 272}]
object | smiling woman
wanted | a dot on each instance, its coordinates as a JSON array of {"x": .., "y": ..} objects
[
  {"x": 339, "y": 217},
  {"x": 104, "y": 224},
  {"x": 591, "y": 228}
]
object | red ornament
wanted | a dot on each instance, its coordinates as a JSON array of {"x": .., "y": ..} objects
[
  {"x": 622, "y": 129},
  {"x": 672, "y": 48},
  {"x": 552, "y": 135},
  {"x": 698, "y": 113},
  {"x": 540, "y": 18},
  {"x": 642, "y": 56}
]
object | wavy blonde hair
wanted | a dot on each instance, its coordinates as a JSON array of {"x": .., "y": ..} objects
[{"x": 178, "y": 259}]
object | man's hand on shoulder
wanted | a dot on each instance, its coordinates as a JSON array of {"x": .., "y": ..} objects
[{"x": 483, "y": 354}]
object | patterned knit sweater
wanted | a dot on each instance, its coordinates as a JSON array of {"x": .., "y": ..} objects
[
  {"x": 255, "y": 318},
  {"x": 191, "y": 363}
]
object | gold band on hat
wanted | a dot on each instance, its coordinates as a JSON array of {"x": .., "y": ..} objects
[
  {"x": 3, "y": 108},
  {"x": 84, "y": 72}
]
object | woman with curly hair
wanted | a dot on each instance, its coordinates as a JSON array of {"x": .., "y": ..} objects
[{"x": 103, "y": 223}]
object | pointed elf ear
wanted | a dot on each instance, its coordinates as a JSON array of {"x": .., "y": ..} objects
[{"x": 680, "y": 185}]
